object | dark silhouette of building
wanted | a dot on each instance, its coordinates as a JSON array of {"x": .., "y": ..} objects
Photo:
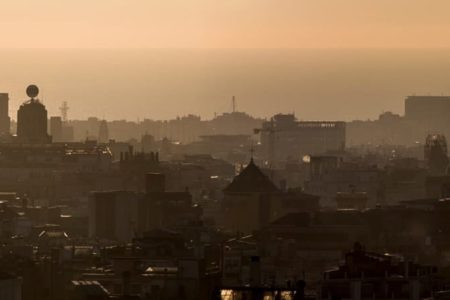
[
  {"x": 426, "y": 114},
  {"x": 436, "y": 154},
  {"x": 123, "y": 215},
  {"x": 88, "y": 290},
  {"x": 247, "y": 200},
  {"x": 103, "y": 133},
  {"x": 284, "y": 138},
  {"x": 147, "y": 143},
  {"x": 368, "y": 275},
  {"x": 166, "y": 209},
  {"x": 56, "y": 129},
  {"x": 113, "y": 214},
  {"x": 67, "y": 133},
  {"x": 251, "y": 201},
  {"x": 351, "y": 200},
  {"x": 330, "y": 175},
  {"x": 4, "y": 115},
  {"x": 428, "y": 109},
  {"x": 32, "y": 120}
]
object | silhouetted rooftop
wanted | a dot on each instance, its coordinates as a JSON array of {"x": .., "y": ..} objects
[
  {"x": 298, "y": 219},
  {"x": 251, "y": 180}
]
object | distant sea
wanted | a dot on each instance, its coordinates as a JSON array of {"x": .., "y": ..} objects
[{"x": 330, "y": 84}]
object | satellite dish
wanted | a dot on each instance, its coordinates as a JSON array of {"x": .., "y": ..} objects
[{"x": 32, "y": 91}]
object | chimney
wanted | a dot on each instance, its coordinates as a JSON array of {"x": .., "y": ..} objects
[{"x": 155, "y": 182}]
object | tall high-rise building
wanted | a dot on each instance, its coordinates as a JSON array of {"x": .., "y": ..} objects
[
  {"x": 4, "y": 115},
  {"x": 428, "y": 114},
  {"x": 427, "y": 108},
  {"x": 103, "y": 133},
  {"x": 32, "y": 119},
  {"x": 285, "y": 138}
]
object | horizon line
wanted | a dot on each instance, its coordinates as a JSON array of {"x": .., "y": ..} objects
[{"x": 228, "y": 48}]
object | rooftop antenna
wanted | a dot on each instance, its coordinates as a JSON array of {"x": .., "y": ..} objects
[
  {"x": 234, "y": 104},
  {"x": 64, "y": 109}
]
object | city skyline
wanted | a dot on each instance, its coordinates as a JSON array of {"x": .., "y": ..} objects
[
  {"x": 224, "y": 150},
  {"x": 163, "y": 59},
  {"x": 164, "y": 84}
]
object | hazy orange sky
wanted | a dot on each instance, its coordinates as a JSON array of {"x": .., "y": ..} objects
[{"x": 225, "y": 23}]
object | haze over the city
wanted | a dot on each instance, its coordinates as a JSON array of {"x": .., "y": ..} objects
[
  {"x": 166, "y": 65},
  {"x": 224, "y": 150}
]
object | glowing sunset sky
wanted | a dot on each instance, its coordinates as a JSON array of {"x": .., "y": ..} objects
[{"x": 226, "y": 23}]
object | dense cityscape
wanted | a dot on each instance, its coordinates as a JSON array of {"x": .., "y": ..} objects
[
  {"x": 230, "y": 208},
  {"x": 224, "y": 150}
]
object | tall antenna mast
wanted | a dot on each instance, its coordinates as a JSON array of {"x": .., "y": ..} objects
[
  {"x": 64, "y": 109},
  {"x": 234, "y": 103}
]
